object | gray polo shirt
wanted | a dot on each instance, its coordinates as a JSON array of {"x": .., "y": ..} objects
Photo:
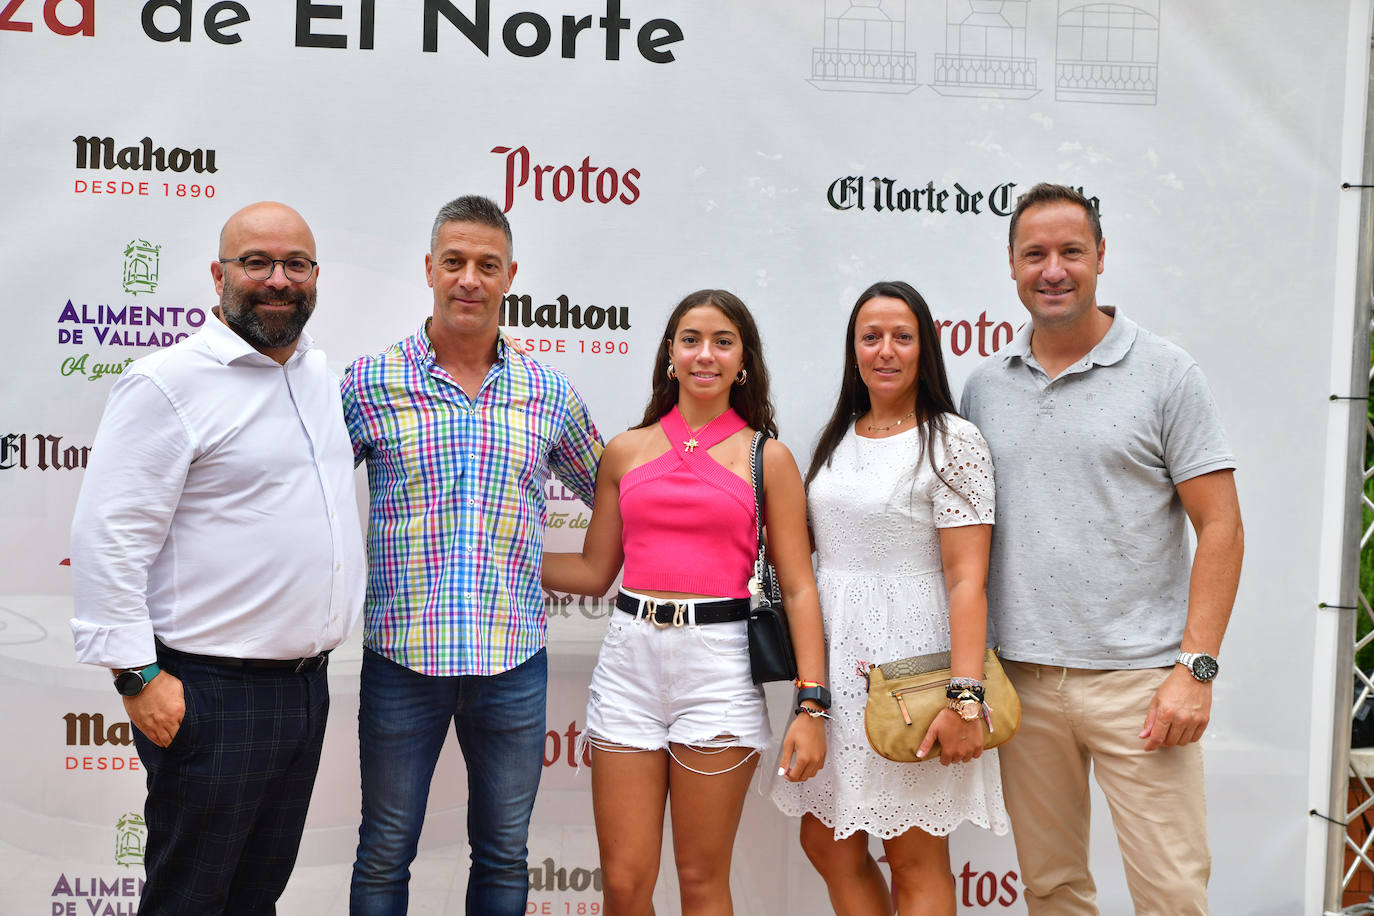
[{"x": 1090, "y": 555}]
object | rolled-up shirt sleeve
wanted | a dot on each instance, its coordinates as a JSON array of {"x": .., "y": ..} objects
[{"x": 132, "y": 485}]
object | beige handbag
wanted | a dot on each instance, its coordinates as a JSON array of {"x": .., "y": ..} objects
[{"x": 905, "y": 696}]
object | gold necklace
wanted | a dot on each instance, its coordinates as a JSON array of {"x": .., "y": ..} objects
[{"x": 883, "y": 429}]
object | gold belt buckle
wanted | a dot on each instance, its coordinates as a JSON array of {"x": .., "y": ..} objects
[{"x": 679, "y": 612}]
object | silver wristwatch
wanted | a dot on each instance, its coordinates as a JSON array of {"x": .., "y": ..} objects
[{"x": 1199, "y": 664}]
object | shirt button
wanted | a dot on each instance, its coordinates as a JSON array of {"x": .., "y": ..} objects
[{"x": 338, "y": 566}]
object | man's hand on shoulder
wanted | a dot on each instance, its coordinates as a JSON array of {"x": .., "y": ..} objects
[
  {"x": 1179, "y": 712},
  {"x": 158, "y": 708}
]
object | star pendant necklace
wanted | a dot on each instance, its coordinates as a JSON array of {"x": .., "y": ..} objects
[{"x": 690, "y": 443}]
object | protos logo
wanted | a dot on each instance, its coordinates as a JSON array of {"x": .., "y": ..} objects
[
  {"x": 100, "y": 153},
  {"x": 591, "y": 184}
]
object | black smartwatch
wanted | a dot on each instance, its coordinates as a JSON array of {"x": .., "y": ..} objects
[
  {"x": 820, "y": 695},
  {"x": 130, "y": 682}
]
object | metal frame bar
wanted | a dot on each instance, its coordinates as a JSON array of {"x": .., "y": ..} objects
[{"x": 1355, "y": 602}]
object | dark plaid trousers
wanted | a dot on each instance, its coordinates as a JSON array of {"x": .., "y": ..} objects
[{"x": 227, "y": 798}]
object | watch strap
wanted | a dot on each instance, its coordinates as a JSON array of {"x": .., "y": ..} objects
[
  {"x": 144, "y": 673},
  {"x": 818, "y": 695},
  {"x": 1193, "y": 660}
]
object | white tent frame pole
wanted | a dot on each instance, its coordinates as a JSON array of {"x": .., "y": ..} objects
[{"x": 1339, "y": 597}]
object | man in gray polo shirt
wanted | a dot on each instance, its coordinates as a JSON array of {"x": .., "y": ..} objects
[{"x": 1106, "y": 443}]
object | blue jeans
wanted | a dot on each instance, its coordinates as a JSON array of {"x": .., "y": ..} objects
[{"x": 403, "y": 719}]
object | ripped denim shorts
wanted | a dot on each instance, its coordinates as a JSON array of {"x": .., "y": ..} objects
[{"x": 690, "y": 684}]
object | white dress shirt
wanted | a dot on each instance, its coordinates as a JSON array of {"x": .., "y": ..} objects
[{"x": 218, "y": 510}]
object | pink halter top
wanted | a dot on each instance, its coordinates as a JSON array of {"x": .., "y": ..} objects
[{"x": 687, "y": 522}]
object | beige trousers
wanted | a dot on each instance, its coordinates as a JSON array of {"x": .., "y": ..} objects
[{"x": 1075, "y": 721}]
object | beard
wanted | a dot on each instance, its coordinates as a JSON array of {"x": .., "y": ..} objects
[{"x": 273, "y": 330}]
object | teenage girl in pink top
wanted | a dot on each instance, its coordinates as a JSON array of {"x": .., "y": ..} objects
[{"x": 673, "y": 716}]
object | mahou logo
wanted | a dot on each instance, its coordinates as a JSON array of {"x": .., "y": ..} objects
[
  {"x": 591, "y": 184},
  {"x": 88, "y": 728},
  {"x": 101, "y": 153},
  {"x": 550, "y": 875}
]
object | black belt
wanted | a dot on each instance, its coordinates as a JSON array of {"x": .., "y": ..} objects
[
  {"x": 297, "y": 665},
  {"x": 673, "y": 612}
]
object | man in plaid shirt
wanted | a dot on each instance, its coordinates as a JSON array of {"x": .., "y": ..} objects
[{"x": 460, "y": 433}]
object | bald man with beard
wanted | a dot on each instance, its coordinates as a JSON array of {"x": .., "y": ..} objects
[{"x": 217, "y": 559}]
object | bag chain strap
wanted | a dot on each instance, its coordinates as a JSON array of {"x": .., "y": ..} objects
[{"x": 756, "y": 476}]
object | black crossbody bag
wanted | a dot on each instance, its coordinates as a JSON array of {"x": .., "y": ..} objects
[{"x": 770, "y": 642}]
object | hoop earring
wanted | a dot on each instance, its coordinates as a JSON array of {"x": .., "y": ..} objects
[
  {"x": 743, "y": 374},
  {"x": 672, "y": 373}
]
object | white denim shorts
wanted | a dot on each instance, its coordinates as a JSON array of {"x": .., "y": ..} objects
[{"x": 654, "y": 686}]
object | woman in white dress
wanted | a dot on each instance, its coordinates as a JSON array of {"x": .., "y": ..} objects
[{"x": 900, "y": 504}]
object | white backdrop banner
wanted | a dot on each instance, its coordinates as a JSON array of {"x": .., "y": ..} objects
[{"x": 793, "y": 151}]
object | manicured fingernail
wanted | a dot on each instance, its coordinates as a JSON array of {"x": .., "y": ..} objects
[
  {"x": 782, "y": 771},
  {"x": 920, "y": 753}
]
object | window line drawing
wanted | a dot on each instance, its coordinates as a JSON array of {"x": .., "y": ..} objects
[
  {"x": 1107, "y": 53},
  {"x": 864, "y": 48},
  {"x": 142, "y": 260},
  {"x": 985, "y": 51}
]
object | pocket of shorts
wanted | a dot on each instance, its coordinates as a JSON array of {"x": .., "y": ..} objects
[
  {"x": 617, "y": 630},
  {"x": 723, "y": 639}
]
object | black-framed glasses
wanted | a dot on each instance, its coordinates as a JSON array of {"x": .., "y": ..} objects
[{"x": 260, "y": 267}]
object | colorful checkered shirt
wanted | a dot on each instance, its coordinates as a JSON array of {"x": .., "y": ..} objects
[{"x": 456, "y": 536}]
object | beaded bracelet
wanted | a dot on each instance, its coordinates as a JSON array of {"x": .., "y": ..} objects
[
  {"x": 813, "y": 713},
  {"x": 961, "y": 685}
]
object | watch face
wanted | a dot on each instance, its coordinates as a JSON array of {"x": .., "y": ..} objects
[
  {"x": 1205, "y": 667},
  {"x": 129, "y": 683},
  {"x": 968, "y": 710}
]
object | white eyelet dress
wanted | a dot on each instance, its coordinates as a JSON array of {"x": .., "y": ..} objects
[{"x": 875, "y": 514}]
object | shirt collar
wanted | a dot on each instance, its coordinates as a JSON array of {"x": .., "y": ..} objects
[
  {"x": 228, "y": 347},
  {"x": 421, "y": 350},
  {"x": 1111, "y": 349}
]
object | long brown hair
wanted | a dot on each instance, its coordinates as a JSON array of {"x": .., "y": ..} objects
[
  {"x": 932, "y": 398},
  {"x": 752, "y": 400}
]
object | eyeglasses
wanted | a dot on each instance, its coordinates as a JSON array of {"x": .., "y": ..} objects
[{"x": 260, "y": 267}]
